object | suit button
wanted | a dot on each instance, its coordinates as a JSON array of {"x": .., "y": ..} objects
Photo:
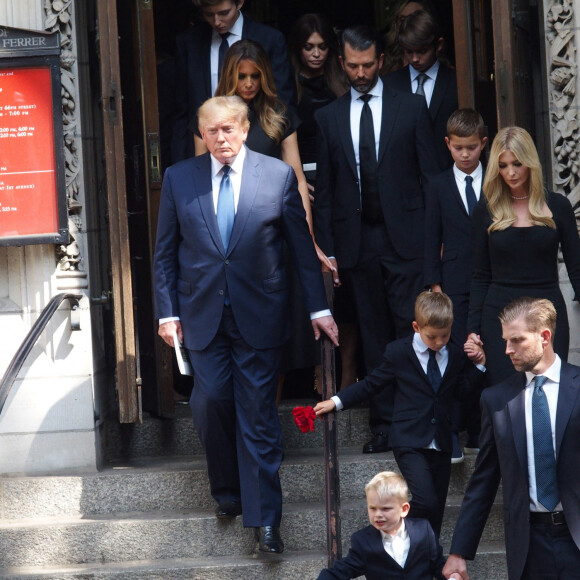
[
  {"x": 221, "y": 292},
  {"x": 433, "y": 421},
  {"x": 227, "y": 262},
  {"x": 357, "y": 210}
]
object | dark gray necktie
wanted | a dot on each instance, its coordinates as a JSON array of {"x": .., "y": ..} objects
[
  {"x": 420, "y": 82},
  {"x": 369, "y": 184},
  {"x": 222, "y": 52},
  {"x": 544, "y": 458},
  {"x": 470, "y": 194},
  {"x": 226, "y": 211},
  {"x": 433, "y": 370}
]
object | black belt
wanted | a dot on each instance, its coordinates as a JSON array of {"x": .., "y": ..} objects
[{"x": 551, "y": 518}]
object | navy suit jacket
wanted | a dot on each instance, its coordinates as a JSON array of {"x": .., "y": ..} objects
[
  {"x": 193, "y": 76},
  {"x": 405, "y": 164},
  {"x": 447, "y": 224},
  {"x": 367, "y": 556},
  {"x": 503, "y": 455},
  {"x": 419, "y": 413},
  {"x": 192, "y": 268},
  {"x": 443, "y": 103}
]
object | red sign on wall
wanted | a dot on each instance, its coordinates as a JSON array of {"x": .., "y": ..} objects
[{"x": 28, "y": 184}]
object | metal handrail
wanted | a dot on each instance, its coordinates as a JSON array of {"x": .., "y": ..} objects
[{"x": 31, "y": 338}]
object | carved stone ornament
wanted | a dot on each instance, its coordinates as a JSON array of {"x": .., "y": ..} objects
[
  {"x": 59, "y": 18},
  {"x": 561, "y": 46}
]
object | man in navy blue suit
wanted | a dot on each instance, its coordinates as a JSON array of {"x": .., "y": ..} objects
[
  {"x": 197, "y": 61},
  {"x": 221, "y": 288}
]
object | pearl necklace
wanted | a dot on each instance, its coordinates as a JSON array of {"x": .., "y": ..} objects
[{"x": 520, "y": 197}]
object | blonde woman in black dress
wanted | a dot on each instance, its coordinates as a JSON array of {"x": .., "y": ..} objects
[{"x": 518, "y": 228}]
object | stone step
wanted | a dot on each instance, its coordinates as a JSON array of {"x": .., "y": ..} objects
[
  {"x": 490, "y": 563},
  {"x": 180, "y": 483},
  {"x": 178, "y": 534},
  {"x": 176, "y": 436}
]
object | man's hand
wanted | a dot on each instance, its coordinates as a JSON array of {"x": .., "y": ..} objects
[
  {"x": 334, "y": 269},
  {"x": 327, "y": 325},
  {"x": 455, "y": 568},
  {"x": 324, "y": 407},
  {"x": 475, "y": 338},
  {"x": 436, "y": 288},
  {"x": 166, "y": 331}
]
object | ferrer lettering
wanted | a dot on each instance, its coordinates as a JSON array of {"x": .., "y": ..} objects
[{"x": 23, "y": 42}]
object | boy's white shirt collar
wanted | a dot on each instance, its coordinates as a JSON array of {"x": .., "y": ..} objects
[
  {"x": 430, "y": 72},
  {"x": 421, "y": 346},
  {"x": 476, "y": 173}
]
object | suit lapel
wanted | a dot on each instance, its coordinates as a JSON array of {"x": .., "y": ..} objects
[
  {"x": 202, "y": 180},
  {"x": 516, "y": 410},
  {"x": 456, "y": 194},
  {"x": 415, "y": 361},
  {"x": 376, "y": 546},
  {"x": 439, "y": 90},
  {"x": 249, "y": 187},
  {"x": 343, "y": 124},
  {"x": 391, "y": 104},
  {"x": 567, "y": 396},
  {"x": 413, "y": 540},
  {"x": 206, "y": 62}
]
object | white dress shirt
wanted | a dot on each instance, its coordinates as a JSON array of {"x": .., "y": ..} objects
[
  {"x": 460, "y": 176},
  {"x": 216, "y": 40},
  {"x": 550, "y": 388},
  {"x": 356, "y": 107},
  {"x": 397, "y": 546}
]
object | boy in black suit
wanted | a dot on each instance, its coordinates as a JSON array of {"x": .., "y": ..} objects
[
  {"x": 391, "y": 546},
  {"x": 450, "y": 201},
  {"x": 426, "y": 75},
  {"x": 424, "y": 373}
]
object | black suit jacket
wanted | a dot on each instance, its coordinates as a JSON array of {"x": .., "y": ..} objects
[
  {"x": 503, "y": 455},
  {"x": 367, "y": 556},
  {"x": 447, "y": 224},
  {"x": 193, "y": 76},
  {"x": 419, "y": 413},
  {"x": 405, "y": 164},
  {"x": 443, "y": 103}
]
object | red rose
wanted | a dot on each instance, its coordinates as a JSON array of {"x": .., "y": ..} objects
[{"x": 304, "y": 417}]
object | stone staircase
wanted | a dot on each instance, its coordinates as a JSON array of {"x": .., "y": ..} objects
[{"x": 149, "y": 515}]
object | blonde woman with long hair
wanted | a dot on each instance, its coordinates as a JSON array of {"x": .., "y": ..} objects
[{"x": 518, "y": 227}]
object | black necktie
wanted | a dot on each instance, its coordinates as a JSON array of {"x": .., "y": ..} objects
[
  {"x": 433, "y": 371},
  {"x": 420, "y": 82},
  {"x": 222, "y": 51},
  {"x": 369, "y": 185},
  {"x": 470, "y": 194},
  {"x": 544, "y": 458}
]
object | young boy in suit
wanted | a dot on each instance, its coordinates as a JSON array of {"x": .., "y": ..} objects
[
  {"x": 424, "y": 373},
  {"x": 391, "y": 546},
  {"x": 449, "y": 203},
  {"x": 426, "y": 75}
]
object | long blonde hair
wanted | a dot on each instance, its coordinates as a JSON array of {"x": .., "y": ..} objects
[
  {"x": 497, "y": 192},
  {"x": 269, "y": 109}
]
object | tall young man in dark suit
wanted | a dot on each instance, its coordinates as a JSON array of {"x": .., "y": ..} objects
[
  {"x": 197, "y": 57},
  {"x": 219, "y": 267},
  {"x": 530, "y": 440},
  {"x": 369, "y": 205},
  {"x": 426, "y": 75}
]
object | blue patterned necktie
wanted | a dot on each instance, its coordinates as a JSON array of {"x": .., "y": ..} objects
[
  {"x": 544, "y": 458},
  {"x": 226, "y": 212},
  {"x": 433, "y": 371},
  {"x": 470, "y": 194}
]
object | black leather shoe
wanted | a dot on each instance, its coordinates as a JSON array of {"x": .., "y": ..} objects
[
  {"x": 378, "y": 444},
  {"x": 269, "y": 539},
  {"x": 228, "y": 510}
]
